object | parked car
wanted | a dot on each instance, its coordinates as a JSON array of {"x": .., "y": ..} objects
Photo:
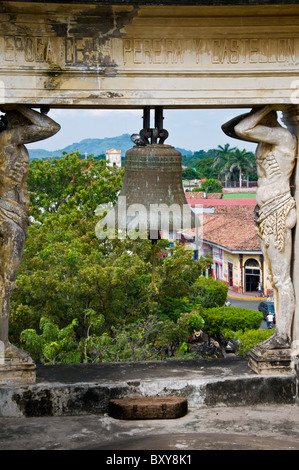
[{"x": 266, "y": 307}]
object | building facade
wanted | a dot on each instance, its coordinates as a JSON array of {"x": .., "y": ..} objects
[
  {"x": 237, "y": 257},
  {"x": 113, "y": 157}
]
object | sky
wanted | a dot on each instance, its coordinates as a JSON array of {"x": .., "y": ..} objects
[{"x": 190, "y": 129}]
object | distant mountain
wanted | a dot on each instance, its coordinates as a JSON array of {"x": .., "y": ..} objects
[
  {"x": 89, "y": 146},
  {"x": 93, "y": 146}
]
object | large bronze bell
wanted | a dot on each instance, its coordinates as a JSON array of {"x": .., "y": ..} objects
[{"x": 152, "y": 200}]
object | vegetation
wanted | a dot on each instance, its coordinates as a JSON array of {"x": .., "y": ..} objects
[
  {"x": 217, "y": 163},
  {"x": 211, "y": 186},
  {"x": 247, "y": 339},
  {"x": 80, "y": 299},
  {"x": 224, "y": 320},
  {"x": 190, "y": 174},
  {"x": 222, "y": 163}
]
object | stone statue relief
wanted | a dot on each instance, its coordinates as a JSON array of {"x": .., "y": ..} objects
[
  {"x": 20, "y": 125},
  {"x": 275, "y": 213}
]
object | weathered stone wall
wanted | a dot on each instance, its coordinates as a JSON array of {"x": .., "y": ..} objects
[{"x": 231, "y": 385}]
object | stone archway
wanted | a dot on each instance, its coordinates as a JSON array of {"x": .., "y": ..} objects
[
  {"x": 252, "y": 275},
  {"x": 131, "y": 55}
]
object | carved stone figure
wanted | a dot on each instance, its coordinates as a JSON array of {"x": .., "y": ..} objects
[
  {"x": 18, "y": 126},
  {"x": 275, "y": 213}
]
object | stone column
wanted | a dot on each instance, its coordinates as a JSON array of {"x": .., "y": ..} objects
[
  {"x": 241, "y": 272},
  {"x": 262, "y": 273},
  {"x": 20, "y": 125},
  {"x": 286, "y": 360}
]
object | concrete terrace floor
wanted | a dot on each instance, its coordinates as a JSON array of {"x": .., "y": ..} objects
[
  {"x": 270, "y": 427},
  {"x": 255, "y": 426}
]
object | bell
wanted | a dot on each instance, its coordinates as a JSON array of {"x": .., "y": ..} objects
[{"x": 152, "y": 201}]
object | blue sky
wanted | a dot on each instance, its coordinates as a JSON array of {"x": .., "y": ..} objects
[{"x": 191, "y": 129}]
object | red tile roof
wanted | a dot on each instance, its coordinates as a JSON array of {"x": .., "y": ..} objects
[
  {"x": 222, "y": 202},
  {"x": 231, "y": 233}
]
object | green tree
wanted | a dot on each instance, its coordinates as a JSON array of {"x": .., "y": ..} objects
[
  {"x": 242, "y": 161},
  {"x": 62, "y": 249},
  {"x": 76, "y": 293},
  {"x": 205, "y": 168},
  {"x": 190, "y": 174},
  {"x": 71, "y": 180},
  {"x": 222, "y": 160},
  {"x": 211, "y": 186},
  {"x": 245, "y": 340},
  {"x": 176, "y": 275},
  {"x": 145, "y": 339},
  {"x": 222, "y": 323},
  {"x": 209, "y": 292},
  {"x": 79, "y": 272},
  {"x": 52, "y": 345},
  {"x": 219, "y": 320}
]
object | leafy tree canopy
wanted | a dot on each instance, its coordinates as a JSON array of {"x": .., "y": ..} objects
[
  {"x": 79, "y": 298},
  {"x": 189, "y": 174},
  {"x": 211, "y": 186},
  {"x": 72, "y": 181},
  {"x": 67, "y": 272},
  {"x": 223, "y": 162}
]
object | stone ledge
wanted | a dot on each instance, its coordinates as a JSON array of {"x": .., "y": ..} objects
[
  {"x": 271, "y": 362},
  {"x": 17, "y": 373},
  {"x": 171, "y": 2},
  {"x": 76, "y": 399}
]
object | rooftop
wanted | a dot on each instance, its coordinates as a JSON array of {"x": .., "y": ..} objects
[
  {"x": 222, "y": 202},
  {"x": 233, "y": 233},
  {"x": 113, "y": 151}
]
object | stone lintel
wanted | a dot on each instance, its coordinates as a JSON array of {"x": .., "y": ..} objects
[{"x": 132, "y": 54}]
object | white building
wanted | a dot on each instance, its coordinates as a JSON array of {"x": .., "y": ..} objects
[{"x": 114, "y": 157}]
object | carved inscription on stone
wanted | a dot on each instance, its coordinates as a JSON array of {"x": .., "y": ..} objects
[
  {"x": 153, "y": 51},
  {"x": 88, "y": 51},
  {"x": 52, "y": 50},
  {"x": 193, "y": 53},
  {"x": 211, "y": 51},
  {"x": 27, "y": 49},
  {"x": 233, "y": 51}
]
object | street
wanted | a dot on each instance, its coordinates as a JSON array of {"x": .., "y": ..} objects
[{"x": 251, "y": 304}]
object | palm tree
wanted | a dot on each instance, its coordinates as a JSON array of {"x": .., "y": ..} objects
[
  {"x": 222, "y": 160},
  {"x": 242, "y": 161}
]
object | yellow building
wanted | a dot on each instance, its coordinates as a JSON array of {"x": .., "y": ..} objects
[
  {"x": 244, "y": 271},
  {"x": 237, "y": 256}
]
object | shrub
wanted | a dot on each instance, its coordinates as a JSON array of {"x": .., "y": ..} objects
[
  {"x": 188, "y": 322},
  {"x": 211, "y": 186},
  {"x": 210, "y": 292},
  {"x": 220, "y": 320},
  {"x": 52, "y": 345},
  {"x": 247, "y": 339}
]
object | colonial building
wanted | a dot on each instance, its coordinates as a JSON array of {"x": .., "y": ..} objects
[
  {"x": 113, "y": 156},
  {"x": 230, "y": 236}
]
